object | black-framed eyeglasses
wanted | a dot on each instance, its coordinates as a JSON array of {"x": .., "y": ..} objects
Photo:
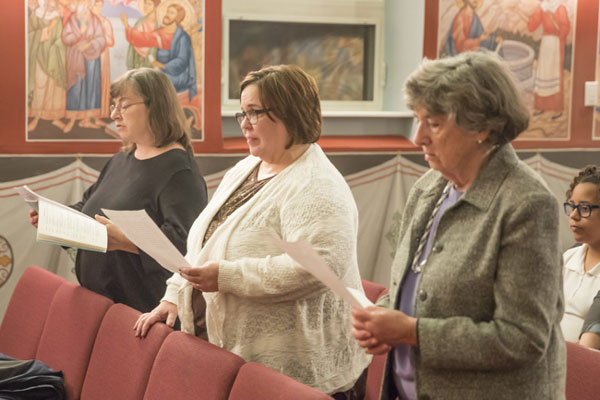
[
  {"x": 251, "y": 115},
  {"x": 583, "y": 210},
  {"x": 121, "y": 108}
]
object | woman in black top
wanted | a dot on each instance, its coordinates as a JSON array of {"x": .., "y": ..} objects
[{"x": 155, "y": 171}]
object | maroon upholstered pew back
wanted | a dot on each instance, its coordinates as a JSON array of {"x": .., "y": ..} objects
[
  {"x": 70, "y": 332},
  {"x": 583, "y": 365},
  {"x": 255, "y": 381},
  {"x": 26, "y": 314},
  {"x": 120, "y": 363},
  {"x": 188, "y": 367}
]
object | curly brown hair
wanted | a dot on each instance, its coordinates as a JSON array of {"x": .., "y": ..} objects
[{"x": 590, "y": 174}]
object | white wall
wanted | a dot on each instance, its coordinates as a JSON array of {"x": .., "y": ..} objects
[{"x": 404, "y": 27}]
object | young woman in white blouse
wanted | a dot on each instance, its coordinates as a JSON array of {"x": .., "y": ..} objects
[{"x": 581, "y": 274}]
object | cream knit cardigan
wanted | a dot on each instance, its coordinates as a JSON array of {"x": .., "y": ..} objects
[{"x": 268, "y": 309}]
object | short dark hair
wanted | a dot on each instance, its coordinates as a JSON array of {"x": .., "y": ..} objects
[
  {"x": 165, "y": 115},
  {"x": 476, "y": 88},
  {"x": 292, "y": 96},
  {"x": 590, "y": 174}
]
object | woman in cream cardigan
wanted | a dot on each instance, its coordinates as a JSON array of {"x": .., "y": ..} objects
[{"x": 260, "y": 304}]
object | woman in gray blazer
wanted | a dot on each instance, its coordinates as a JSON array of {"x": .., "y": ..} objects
[{"x": 476, "y": 298}]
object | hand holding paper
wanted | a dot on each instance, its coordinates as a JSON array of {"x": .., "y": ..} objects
[{"x": 308, "y": 258}]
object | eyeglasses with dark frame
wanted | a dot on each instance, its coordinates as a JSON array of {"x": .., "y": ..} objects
[
  {"x": 583, "y": 210},
  {"x": 251, "y": 115},
  {"x": 120, "y": 108}
]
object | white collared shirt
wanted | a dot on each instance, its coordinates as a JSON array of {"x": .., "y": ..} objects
[{"x": 580, "y": 287}]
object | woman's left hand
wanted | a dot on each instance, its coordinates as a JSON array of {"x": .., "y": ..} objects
[
  {"x": 116, "y": 239},
  {"x": 204, "y": 278}
]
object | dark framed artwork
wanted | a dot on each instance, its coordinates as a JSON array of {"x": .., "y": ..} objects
[{"x": 343, "y": 56}]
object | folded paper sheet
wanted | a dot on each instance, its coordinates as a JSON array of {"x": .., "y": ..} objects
[
  {"x": 143, "y": 232},
  {"x": 303, "y": 253}
]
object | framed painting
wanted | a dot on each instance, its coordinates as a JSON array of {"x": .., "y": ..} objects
[{"x": 343, "y": 54}]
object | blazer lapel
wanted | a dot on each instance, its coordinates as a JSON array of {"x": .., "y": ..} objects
[{"x": 426, "y": 198}]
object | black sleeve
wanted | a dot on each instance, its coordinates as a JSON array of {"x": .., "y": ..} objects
[{"x": 180, "y": 202}]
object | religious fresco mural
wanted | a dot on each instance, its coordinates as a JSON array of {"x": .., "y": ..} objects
[
  {"x": 535, "y": 39},
  {"x": 75, "y": 48}
]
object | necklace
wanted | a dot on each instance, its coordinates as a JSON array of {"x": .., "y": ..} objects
[{"x": 417, "y": 266}]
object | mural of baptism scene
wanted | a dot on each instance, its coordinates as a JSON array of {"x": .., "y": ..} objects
[
  {"x": 75, "y": 48},
  {"x": 534, "y": 37}
]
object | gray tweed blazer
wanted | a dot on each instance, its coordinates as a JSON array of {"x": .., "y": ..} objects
[{"x": 490, "y": 299}]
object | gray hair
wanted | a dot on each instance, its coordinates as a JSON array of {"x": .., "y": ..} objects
[{"x": 476, "y": 89}]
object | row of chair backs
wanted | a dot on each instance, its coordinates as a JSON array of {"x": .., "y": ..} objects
[
  {"x": 91, "y": 340},
  {"x": 53, "y": 320}
]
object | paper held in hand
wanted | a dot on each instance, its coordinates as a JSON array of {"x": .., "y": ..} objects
[
  {"x": 141, "y": 230},
  {"x": 303, "y": 253},
  {"x": 62, "y": 225}
]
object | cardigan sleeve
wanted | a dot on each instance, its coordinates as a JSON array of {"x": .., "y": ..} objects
[{"x": 322, "y": 214}]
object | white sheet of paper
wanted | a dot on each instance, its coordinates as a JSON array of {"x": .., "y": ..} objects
[
  {"x": 303, "y": 253},
  {"x": 143, "y": 232}
]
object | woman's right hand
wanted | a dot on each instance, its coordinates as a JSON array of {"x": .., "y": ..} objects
[
  {"x": 33, "y": 217},
  {"x": 165, "y": 311}
]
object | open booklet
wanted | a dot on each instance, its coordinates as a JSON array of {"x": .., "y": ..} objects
[{"x": 62, "y": 225}]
